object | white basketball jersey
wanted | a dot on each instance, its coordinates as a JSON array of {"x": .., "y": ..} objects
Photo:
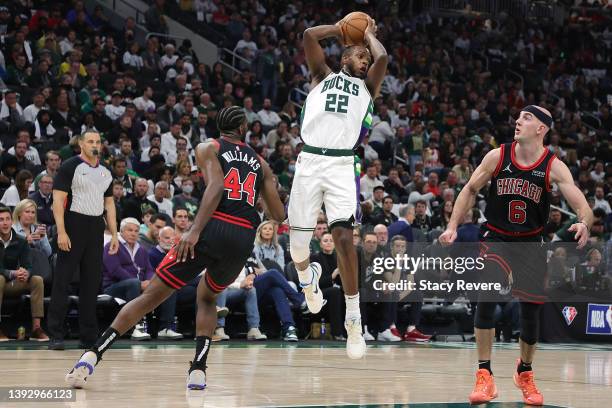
[{"x": 337, "y": 113}]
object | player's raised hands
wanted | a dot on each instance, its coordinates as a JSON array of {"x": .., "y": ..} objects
[
  {"x": 582, "y": 233},
  {"x": 372, "y": 27}
]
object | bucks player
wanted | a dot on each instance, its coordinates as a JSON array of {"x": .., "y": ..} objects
[{"x": 337, "y": 114}]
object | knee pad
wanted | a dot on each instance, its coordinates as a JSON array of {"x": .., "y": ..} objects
[
  {"x": 530, "y": 322},
  {"x": 485, "y": 312},
  {"x": 299, "y": 245}
]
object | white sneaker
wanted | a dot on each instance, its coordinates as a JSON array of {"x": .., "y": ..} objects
[
  {"x": 387, "y": 336},
  {"x": 222, "y": 311},
  {"x": 77, "y": 377},
  {"x": 169, "y": 334},
  {"x": 367, "y": 336},
  {"x": 140, "y": 334},
  {"x": 312, "y": 291},
  {"x": 355, "y": 343},
  {"x": 220, "y": 335},
  {"x": 255, "y": 334},
  {"x": 196, "y": 380}
]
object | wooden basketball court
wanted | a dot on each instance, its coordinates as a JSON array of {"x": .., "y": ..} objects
[{"x": 310, "y": 374}]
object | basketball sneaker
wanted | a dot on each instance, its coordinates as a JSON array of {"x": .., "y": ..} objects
[
  {"x": 312, "y": 291},
  {"x": 387, "y": 335},
  {"x": 220, "y": 335},
  {"x": 525, "y": 382},
  {"x": 168, "y": 334},
  {"x": 415, "y": 335},
  {"x": 196, "y": 380},
  {"x": 77, "y": 377},
  {"x": 355, "y": 343},
  {"x": 255, "y": 334},
  {"x": 485, "y": 389}
]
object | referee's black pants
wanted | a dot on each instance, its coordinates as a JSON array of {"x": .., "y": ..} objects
[{"x": 86, "y": 235}]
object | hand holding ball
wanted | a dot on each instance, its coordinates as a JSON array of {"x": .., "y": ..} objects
[{"x": 354, "y": 26}]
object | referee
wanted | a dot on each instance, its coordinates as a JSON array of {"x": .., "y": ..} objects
[{"x": 82, "y": 190}]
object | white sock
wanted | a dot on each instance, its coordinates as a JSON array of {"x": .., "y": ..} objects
[
  {"x": 352, "y": 307},
  {"x": 305, "y": 276}
]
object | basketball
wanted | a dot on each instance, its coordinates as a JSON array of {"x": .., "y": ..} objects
[{"x": 353, "y": 27}]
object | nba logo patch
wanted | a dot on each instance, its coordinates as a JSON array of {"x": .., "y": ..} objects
[
  {"x": 569, "y": 313},
  {"x": 599, "y": 319}
]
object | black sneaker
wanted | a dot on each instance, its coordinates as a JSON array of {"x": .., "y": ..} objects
[
  {"x": 290, "y": 334},
  {"x": 55, "y": 344}
]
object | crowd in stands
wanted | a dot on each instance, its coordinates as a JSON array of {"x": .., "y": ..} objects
[{"x": 452, "y": 92}]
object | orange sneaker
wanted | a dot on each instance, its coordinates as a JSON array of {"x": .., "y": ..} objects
[
  {"x": 485, "y": 389},
  {"x": 524, "y": 382}
]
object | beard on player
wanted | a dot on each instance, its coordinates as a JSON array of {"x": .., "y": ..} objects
[{"x": 356, "y": 61}]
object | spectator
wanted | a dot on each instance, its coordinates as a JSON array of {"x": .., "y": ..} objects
[
  {"x": 128, "y": 272},
  {"x": 267, "y": 250},
  {"x": 148, "y": 240},
  {"x": 167, "y": 115},
  {"x": 19, "y": 191},
  {"x": 52, "y": 163},
  {"x": 600, "y": 200},
  {"x": 268, "y": 73},
  {"x": 395, "y": 188},
  {"x": 330, "y": 285},
  {"x": 158, "y": 197},
  {"x": 369, "y": 181},
  {"x": 402, "y": 225},
  {"x": 382, "y": 235},
  {"x": 185, "y": 199},
  {"x": 43, "y": 198},
  {"x": 169, "y": 143},
  {"x": 377, "y": 200},
  {"x": 240, "y": 291},
  {"x": 15, "y": 269},
  {"x": 10, "y": 111},
  {"x": 115, "y": 110},
  {"x": 21, "y": 150},
  {"x": 120, "y": 175},
  {"x": 422, "y": 221},
  {"x": 269, "y": 118},
  {"x": 31, "y": 111},
  {"x": 26, "y": 225},
  {"x": 138, "y": 203},
  {"x": 469, "y": 230},
  {"x": 251, "y": 115},
  {"x": 442, "y": 218},
  {"x": 385, "y": 216},
  {"x": 181, "y": 221},
  {"x": 315, "y": 242}
]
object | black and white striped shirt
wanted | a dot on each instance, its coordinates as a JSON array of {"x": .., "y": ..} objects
[{"x": 86, "y": 186}]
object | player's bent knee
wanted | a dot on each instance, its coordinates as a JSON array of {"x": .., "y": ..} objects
[{"x": 300, "y": 245}]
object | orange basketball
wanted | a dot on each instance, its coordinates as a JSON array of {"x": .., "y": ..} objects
[{"x": 353, "y": 27}]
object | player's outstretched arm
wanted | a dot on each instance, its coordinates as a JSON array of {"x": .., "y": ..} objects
[
  {"x": 561, "y": 176},
  {"x": 315, "y": 57},
  {"x": 378, "y": 70},
  {"x": 207, "y": 161},
  {"x": 273, "y": 205},
  {"x": 467, "y": 197}
]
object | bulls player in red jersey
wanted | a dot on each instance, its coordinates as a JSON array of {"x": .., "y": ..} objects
[
  {"x": 521, "y": 174},
  {"x": 220, "y": 241}
]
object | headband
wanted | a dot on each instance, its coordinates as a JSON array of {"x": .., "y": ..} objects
[{"x": 543, "y": 117}]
